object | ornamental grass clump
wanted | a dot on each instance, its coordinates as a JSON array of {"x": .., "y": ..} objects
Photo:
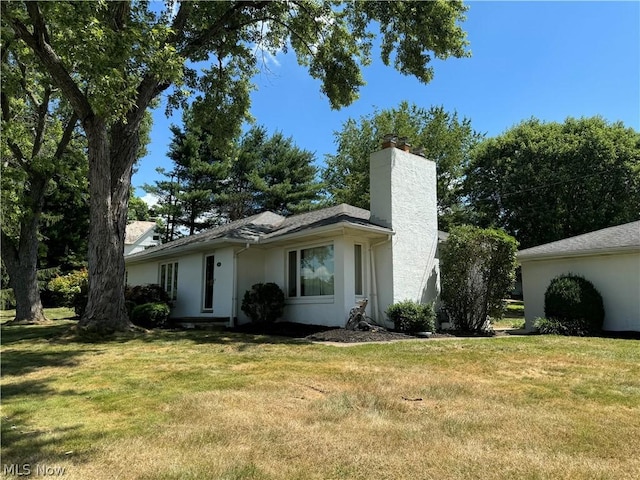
[{"x": 573, "y": 306}]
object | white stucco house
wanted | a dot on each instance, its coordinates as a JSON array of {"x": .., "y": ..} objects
[
  {"x": 608, "y": 258},
  {"x": 139, "y": 236},
  {"x": 324, "y": 261}
]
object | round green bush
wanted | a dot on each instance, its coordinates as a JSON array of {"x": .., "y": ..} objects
[
  {"x": 264, "y": 303},
  {"x": 575, "y": 303},
  {"x": 411, "y": 317},
  {"x": 141, "y": 294},
  {"x": 151, "y": 315}
]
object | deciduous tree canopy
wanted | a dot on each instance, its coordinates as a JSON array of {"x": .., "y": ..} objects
[
  {"x": 110, "y": 60},
  {"x": 543, "y": 182},
  {"x": 441, "y": 135}
]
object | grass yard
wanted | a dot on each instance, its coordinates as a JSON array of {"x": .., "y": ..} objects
[
  {"x": 213, "y": 405},
  {"x": 513, "y": 318}
]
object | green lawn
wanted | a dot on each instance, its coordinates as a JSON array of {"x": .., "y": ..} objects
[
  {"x": 513, "y": 318},
  {"x": 208, "y": 404}
]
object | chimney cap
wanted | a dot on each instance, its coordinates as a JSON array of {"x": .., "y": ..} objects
[
  {"x": 389, "y": 140},
  {"x": 403, "y": 144}
]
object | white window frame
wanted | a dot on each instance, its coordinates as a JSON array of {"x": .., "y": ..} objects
[
  {"x": 298, "y": 281},
  {"x": 169, "y": 283},
  {"x": 358, "y": 272}
]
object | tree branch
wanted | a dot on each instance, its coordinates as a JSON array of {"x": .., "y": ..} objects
[
  {"x": 66, "y": 136},
  {"x": 43, "y": 110},
  {"x": 199, "y": 40},
  {"x": 38, "y": 41}
]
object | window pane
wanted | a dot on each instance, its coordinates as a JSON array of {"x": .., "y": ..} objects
[
  {"x": 163, "y": 277},
  {"x": 293, "y": 274},
  {"x": 316, "y": 271},
  {"x": 208, "y": 283},
  {"x": 357, "y": 252},
  {"x": 175, "y": 281},
  {"x": 170, "y": 279}
]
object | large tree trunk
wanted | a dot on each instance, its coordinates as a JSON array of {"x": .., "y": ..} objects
[
  {"x": 21, "y": 260},
  {"x": 105, "y": 311}
]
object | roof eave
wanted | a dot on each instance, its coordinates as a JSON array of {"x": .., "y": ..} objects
[
  {"x": 577, "y": 253},
  {"x": 337, "y": 227},
  {"x": 182, "y": 249}
]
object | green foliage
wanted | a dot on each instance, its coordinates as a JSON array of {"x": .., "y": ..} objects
[
  {"x": 150, "y": 315},
  {"x": 141, "y": 294},
  {"x": 70, "y": 290},
  {"x": 110, "y": 61},
  {"x": 7, "y": 299},
  {"x": 445, "y": 138},
  {"x": 138, "y": 208},
  {"x": 264, "y": 303},
  {"x": 574, "y": 303},
  {"x": 543, "y": 182},
  {"x": 478, "y": 270},
  {"x": 411, "y": 317},
  {"x": 277, "y": 176}
]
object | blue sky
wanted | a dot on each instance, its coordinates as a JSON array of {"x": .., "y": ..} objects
[{"x": 548, "y": 60}]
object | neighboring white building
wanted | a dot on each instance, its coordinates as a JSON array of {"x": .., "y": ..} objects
[
  {"x": 139, "y": 236},
  {"x": 325, "y": 260},
  {"x": 608, "y": 258}
]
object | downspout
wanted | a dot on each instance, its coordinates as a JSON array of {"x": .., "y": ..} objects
[
  {"x": 234, "y": 305},
  {"x": 375, "y": 306}
]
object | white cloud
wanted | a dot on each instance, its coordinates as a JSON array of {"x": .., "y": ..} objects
[{"x": 150, "y": 199}]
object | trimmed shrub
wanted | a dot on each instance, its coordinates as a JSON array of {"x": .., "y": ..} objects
[
  {"x": 477, "y": 271},
  {"x": 70, "y": 290},
  {"x": 550, "y": 326},
  {"x": 574, "y": 304},
  {"x": 411, "y": 317},
  {"x": 263, "y": 303},
  {"x": 150, "y": 315},
  {"x": 141, "y": 294}
]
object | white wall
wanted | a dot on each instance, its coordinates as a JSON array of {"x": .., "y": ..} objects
[
  {"x": 616, "y": 277},
  {"x": 404, "y": 197},
  {"x": 142, "y": 243},
  {"x": 189, "y": 296},
  {"x": 142, "y": 273}
]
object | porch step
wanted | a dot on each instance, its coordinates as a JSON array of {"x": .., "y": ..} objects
[{"x": 200, "y": 323}]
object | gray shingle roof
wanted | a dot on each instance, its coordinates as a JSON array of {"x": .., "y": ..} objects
[
  {"x": 620, "y": 238},
  {"x": 266, "y": 226}
]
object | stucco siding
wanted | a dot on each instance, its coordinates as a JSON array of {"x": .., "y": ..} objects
[
  {"x": 188, "y": 301},
  {"x": 616, "y": 277},
  {"x": 250, "y": 270},
  {"x": 142, "y": 274},
  {"x": 403, "y": 197}
]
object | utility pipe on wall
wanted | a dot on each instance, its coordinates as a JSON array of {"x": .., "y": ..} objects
[
  {"x": 234, "y": 305},
  {"x": 375, "y": 306}
]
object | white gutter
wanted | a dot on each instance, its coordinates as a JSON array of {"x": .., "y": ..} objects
[
  {"x": 234, "y": 304},
  {"x": 532, "y": 257},
  {"x": 375, "y": 306}
]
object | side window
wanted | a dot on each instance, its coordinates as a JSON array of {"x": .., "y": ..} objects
[
  {"x": 357, "y": 263},
  {"x": 310, "y": 271},
  {"x": 168, "y": 279}
]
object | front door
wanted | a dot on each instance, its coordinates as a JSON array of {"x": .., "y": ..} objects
[{"x": 208, "y": 282}]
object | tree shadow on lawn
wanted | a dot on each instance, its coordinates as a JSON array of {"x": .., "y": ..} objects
[
  {"x": 20, "y": 362},
  {"x": 18, "y": 333},
  {"x": 244, "y": 336},
  {"x": 25, "y": 443}
]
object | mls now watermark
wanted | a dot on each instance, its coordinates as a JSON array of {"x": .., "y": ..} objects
[{"x": 36, "y": 470}]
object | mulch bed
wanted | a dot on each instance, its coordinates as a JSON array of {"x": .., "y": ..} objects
[{"x": 319, "y": 333}]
